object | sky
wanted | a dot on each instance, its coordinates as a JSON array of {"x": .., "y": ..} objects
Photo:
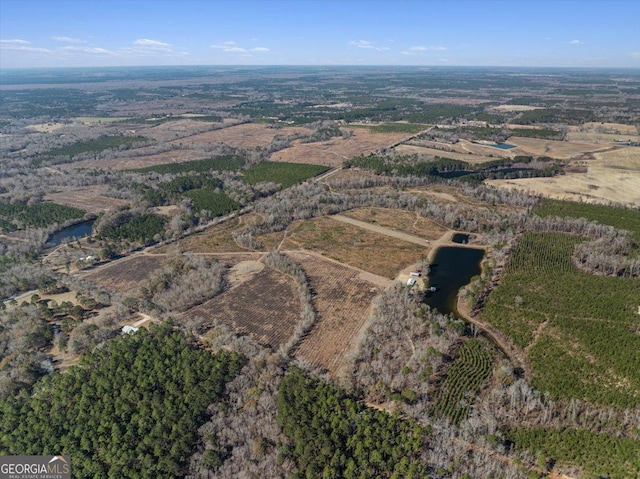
[{"x": 555, "y": 33}]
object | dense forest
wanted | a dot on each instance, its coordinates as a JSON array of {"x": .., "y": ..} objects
[{"x": 129, "y": 409}]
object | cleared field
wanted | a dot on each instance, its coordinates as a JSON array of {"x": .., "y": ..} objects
[
  {"x": 125, "y": 276},
  {"x": 342, "y": 305},
  {"x": 617, "y": 128},
  {"x": 562, "y": 150},
  {"x": 248, "y": 135},
  {"x": 614, "y": 176},
  {"x": 267, "y": 307},
  {"x": 176, "y": 156},
  {"x": 336, "y": 150},
  {"x": 370, "y": 251},
  {"x": 89, "y": 199},
  {"x": 173, "y": 130},
  {"x": 217, "y": 239},
  {"x": 398, "y": 220},
  {"x": 516, "y": 107},
  {"x": 468, "y": 156}
]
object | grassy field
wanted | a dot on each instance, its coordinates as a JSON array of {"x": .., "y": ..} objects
[
  {"x": 576, "y": 327},
  {"x": 403, "y": 221},
  {"x": 349, "y": 244}
]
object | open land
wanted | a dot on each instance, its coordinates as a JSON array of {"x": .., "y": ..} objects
[
  {"x": 265, "y": 306},
  {"x": 342, "y": 307}
]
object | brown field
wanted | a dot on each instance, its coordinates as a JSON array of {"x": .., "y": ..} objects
[
  {"x": 248, "y": 135},
  {"x": 124, "y": 276},
  {"x": 615, "y": 128},
  {"x": 176, "y": 156},
  {"x": 267, "y": 307},
  {"x": 216, "y": 239},
  {"x": 614, "y": 176},
  {"x": 399, "y": 220},
  {"x": 348, "y": 174},
  {"x": 562, "y": 150},
  {"x": 342, "y": 305},
  {"x": 89, "y": 199},
  {"x": 516, "y": 107},
  {"x": 463, "y": 151},
  {"x": 336, "y": 150},
  {"x": 173, "y": 130},
  {"x": 607, "y": 133},
  {"x": 367, "y": 250}
]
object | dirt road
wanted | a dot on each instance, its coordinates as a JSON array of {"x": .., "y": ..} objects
[{"x": 382, "y": 230}]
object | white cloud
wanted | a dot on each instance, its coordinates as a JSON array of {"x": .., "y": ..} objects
[
  {"x": 67, "y": 40},
  {"x": 89, "y": 50},
  {"x": 576, "y": 42},
  {"x": 148, "y": 43},
  {"x": 233, "y": 47},
  {"x": 14, "y": 41},
  {"x": 635, "y": 54},
  {"x": 17, "y": 45},
  {"x": 406, "y": 53},
  {"x": 422, "y": 48},
  {"x": 361, "y": 44}
]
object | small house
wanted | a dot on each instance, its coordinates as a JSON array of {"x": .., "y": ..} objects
[{"x": 128, "y": 329}]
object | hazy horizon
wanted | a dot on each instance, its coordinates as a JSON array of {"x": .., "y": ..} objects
[{"x": 71, "y": 33}]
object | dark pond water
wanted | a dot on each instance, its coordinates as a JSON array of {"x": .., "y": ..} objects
[
  {"x": 452, "y": 268},
  {"x": 460, "y": 238},
  {"x": 79, "y": 230}
]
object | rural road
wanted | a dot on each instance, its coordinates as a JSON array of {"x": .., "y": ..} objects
[{"x": 382, "y": 230}]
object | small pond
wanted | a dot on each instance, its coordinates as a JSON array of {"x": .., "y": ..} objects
[
  {"x": 503, "y": 146},
  {"x": 78, "y": 230},
  {"x": 460, "y": 238},
  {"x": 452, "y": 268}
]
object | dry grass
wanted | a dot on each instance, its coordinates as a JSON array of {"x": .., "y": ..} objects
[
  {"x": 176, "y": 156},
  {"x": 463, "y": 151},
  {"x": 614, "y": 176},
  {"x": 342, "y": 305},
  {"x": 373, "y": 252},
  {"x": 247, "y": 135},
  {"x": 126, "y": 275},
  {"x": 336, "y": 150},
  {"x": 267, "y": 307},
  {"x": 89, "y": 199},
  {"x": 562, "y": 150},
  {"x": 403, "y": 221},
  {"x": 216, "y": 239},
  {"x": 516, "y": 108}
]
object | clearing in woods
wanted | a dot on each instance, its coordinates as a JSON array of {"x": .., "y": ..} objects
[
  {"x": 267, "y": 307},
  {"x": 90, "y": 199},
  {"x": 248, "y": 135},
  {"x": 402, "y": 221},
  {"x": 613, "y": 176},
  {"x": 124, "y": 276},
  {"x": 355, "y": 246},
  {"x": 342, "y": 304},
  {"x": 335, "y": 151}
]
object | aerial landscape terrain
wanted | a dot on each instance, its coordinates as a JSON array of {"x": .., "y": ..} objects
[{"x": 349, "y": 270}]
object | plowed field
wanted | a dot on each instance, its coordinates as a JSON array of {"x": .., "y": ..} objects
[{"x": 342, "y": 305}]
